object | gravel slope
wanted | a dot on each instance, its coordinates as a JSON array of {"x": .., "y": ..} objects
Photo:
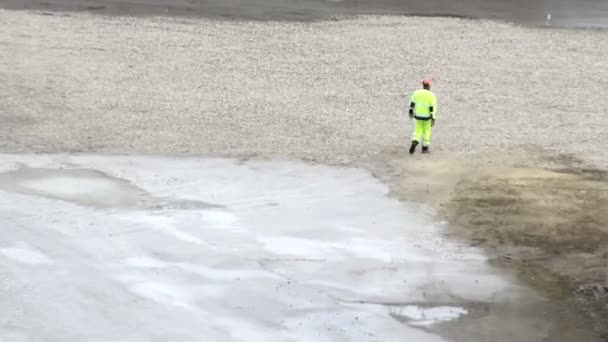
[{"x": 331, "y": 92}]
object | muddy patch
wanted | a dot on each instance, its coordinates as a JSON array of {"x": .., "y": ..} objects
[
  {"x": 541, "y": 214},
  {"x": 549, "y": 224},
  {"x": 560, "y": 216}
]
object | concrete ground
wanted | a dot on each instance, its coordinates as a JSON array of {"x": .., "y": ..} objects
[{"x": 102, "y": 248}]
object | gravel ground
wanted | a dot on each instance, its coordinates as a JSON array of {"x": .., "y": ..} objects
[{"x": 331, "y": 92}]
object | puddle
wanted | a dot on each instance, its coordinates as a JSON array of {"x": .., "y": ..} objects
[
  {"x": 25, "y": 255},
  {"x": 421, "y": 316},
  {"x": 90, "y": 188}
]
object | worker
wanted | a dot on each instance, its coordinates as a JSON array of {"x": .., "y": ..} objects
[{"x": 423, "y": 108}]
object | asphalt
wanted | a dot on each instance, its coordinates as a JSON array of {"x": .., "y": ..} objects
[{"x": 564, "y": 13}]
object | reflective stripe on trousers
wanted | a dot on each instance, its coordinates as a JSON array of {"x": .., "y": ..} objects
[{"x": 422, "y": 132}]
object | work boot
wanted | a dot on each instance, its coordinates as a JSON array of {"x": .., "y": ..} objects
[
  {"x": 425, "y": 149},
  {"x": 413, "y": 146}
]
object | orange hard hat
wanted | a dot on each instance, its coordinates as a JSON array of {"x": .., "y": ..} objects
[{"x": 426, "y": 81}]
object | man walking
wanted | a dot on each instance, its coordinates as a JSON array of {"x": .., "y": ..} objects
[{"x": 423, "y": 108}]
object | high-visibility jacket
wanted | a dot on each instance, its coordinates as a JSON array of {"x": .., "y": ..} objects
[{"x": 424, "y": 100}]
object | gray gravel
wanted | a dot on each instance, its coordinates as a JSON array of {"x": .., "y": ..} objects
[{"x": 331, "y": 92}]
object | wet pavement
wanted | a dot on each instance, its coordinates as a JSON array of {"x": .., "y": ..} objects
[
  {"x": 283, "y": 251},
  {"x": 563, "y": 13}
]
